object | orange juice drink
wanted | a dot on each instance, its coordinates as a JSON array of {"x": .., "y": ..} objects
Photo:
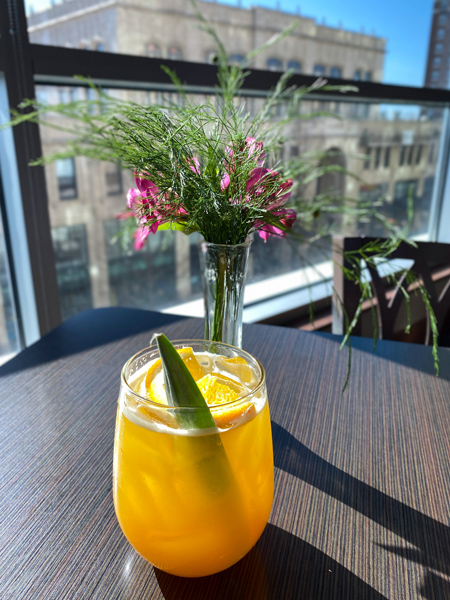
[{"x": 193, "y": 501}]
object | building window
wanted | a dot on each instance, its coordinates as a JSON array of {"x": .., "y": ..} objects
[
  {"x": 418, "y": 155},
  {"x": 367, "y": 159},
  {"x": 410, "y": 155},
  {"x": 401, "y": 160},
  {"x": 235, "y": 59},
  {"x": 440, "y": 34},
  {"x": 442, "y": 19},
  {"x": 63, "y": 96},
  {"x": 73, "y": 94},
  {"x": 153, "y": 51},
  {"x": 431, "y": 155},
  {"x": 294, "y": 65},
  {"x": 377, "y": 158},
  {"x": 438, "y": 48},
  {"x": 336, "y": 72},
  {"x": 319, "y": 70},
  {"x": 274, "y": 64},
  {"x": 357, "y": 75},
  {"x": 434, "y": 76},
  {"x": 113, "y": 179},
  {"x": 67, "y": 181},
  {"x": 100, "y": 47},
  {"x": 437, "y": 61},
  {"x": 387, "y": 157},
  {"x": 368, "y": 76},
  {"x": 175, "y": 53},
  {"x": 211, "y": 57},
  {"x": 72, "y": 268}
]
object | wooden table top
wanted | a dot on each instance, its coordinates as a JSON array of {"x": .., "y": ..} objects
[{"x": 362, "y": 479}]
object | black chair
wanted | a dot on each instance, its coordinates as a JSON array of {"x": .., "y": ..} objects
[{"x": 430, "y": 263}]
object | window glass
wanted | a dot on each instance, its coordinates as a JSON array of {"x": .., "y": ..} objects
[
  {"x": 175, "y": 53},
  {"x": 357, "y": 75},
  {"x": 165, "y": 273},
  {"x": 274, "y": 64},
  {"x": 366, "y": 38},
  {"x": 9, "y": 335},
  {"x": 67, "y": 182},
  {"x": 235, "y": 59},
  {"x": 336, "y": 72},
  {"x": 319, "y": 70},
  {"x": 295, "y": 66}
]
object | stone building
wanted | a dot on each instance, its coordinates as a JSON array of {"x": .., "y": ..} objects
[
  {"x": 438, "y": 61},
  {"x": 85, "y": 196}
]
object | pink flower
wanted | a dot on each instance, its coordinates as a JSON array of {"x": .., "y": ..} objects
[
  {"x": 140, "y": 235},
  {"x": 194, "y": 165},
  {"x": 288, "y": 217},
  {"x": 253, "y": 148},
  {"x": 264, "y": 180}
]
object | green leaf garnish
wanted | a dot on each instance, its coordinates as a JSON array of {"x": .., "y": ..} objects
[{"x": 181, "y": 389}]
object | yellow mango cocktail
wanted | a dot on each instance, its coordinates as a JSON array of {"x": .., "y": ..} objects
[{"x": 193, "y": 501}]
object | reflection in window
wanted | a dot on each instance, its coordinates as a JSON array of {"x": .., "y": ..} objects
[
  {"x": 153, "y": 51},
  {"x": 72, "y": 268},
  {"x": 319, "y": 70},
  {"x": 294, "y": 65},
  {"x": 175, "y": 53},
  {"x": 336, "y": 72},
  {"x": 274, "y": 64},
  {"x": 113, "y": 179},
  {"x": 67, "y": 183}
]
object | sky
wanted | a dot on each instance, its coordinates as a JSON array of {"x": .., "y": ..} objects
[{"x": 404, "y": 23}]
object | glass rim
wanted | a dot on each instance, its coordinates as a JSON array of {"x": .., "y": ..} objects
[
  {"x": 212, "y": 407},
  {"x": 247, "y": 242}
]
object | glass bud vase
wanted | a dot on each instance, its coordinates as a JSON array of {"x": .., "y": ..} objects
[{"x": 224, "y": 270}]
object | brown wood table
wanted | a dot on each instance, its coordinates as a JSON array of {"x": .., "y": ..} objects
[{"x": 362, "y": 479}]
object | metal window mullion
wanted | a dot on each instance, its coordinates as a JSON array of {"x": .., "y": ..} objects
[{"x": 34, "y": 212}]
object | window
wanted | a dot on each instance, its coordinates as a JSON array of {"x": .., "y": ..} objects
[
  {"x": 72, "y": 267},
  {"x": 440, "y": 34},
  {"x": 274, "y": 64},
  {"x": 113, "y": 179},
  {"x": 434, "y": 76},
  {"x": 437, "y": 61},
  {"x": 99, "y": 46},
  {"x": 377, "y": 158},
  {"x": 73, "y": 94},
  {"x": 67, "y": 184},
  {"x": 419, "y": 154},
  {"x": 357, "y": 75},
  {"x": 387, "y": 157},
  {"x": 368, "y": 76},
  {"x": 235, "y": 59},
  {"x": 319, "y": 70},
  {"x": 438, "y": 48},
  {"x": 294, "y": 65},
  {"x": 442, "y": 19},
  {"x": 211, "y": 57},
  {"x": 153, "y": 51},
  {"x": 175, "y": 53},
  {"x": 367, "y": 159},
  {"x": 410, "y": 155},
  {"x": 401, "y": 160},
  {"x": 63, "y": 95},
  {"x": 336, "y": 72}
]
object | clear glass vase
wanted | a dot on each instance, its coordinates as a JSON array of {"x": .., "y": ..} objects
[{"x": 224, "y": 270}]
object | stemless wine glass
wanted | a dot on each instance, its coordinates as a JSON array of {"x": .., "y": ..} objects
[{"x": 194, "y": 501}]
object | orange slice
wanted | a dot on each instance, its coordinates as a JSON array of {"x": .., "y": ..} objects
[
  {"x": 218, "y": 390},
  {"x": 154, "y": 380},
  {"x": 240, "y": 368}
]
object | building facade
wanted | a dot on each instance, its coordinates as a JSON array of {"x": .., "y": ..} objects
[
  {"x": 390, "y": 157},
  {"x": 437, "y": 72}
]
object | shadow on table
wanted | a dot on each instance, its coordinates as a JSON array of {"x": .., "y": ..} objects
[
  {"x": 414, "y": 356},
  {"x": 280, "y": 566},
  {"x": 431, "y": 538},
  {"x": 87, "y": 329}
]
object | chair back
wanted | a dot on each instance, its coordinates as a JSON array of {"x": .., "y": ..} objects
[{"x": 430, "y": 263}]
